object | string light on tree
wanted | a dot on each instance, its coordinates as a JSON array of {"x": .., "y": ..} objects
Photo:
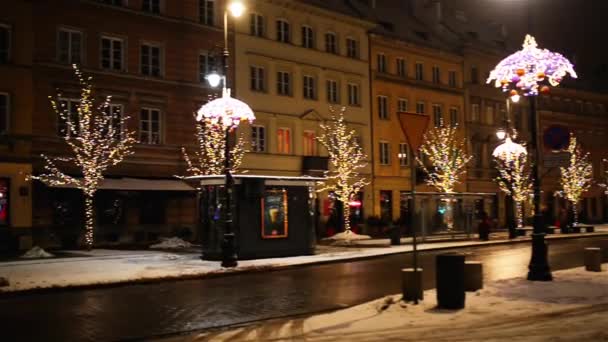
[
  {"x": 346, "y": 158},
  {"x": 514, "y": 178},
  {"x": 447, "y": 158},
  {"x": 576, "y": 178},
  {"x": 97, "y": 139}
]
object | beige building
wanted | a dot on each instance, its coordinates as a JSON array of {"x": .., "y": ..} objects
[{"x": 294, "y": 61}]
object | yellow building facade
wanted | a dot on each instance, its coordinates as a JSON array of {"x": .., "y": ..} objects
[{"x": 408, "y": 77}]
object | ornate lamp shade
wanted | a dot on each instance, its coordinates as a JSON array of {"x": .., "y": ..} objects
[
  {"x": 226, "y": 111},
  {"x": 509, "y": 150},
  {"x": 526, "y": 70}
]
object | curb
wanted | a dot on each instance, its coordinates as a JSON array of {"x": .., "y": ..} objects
[{"x": 271, "y": 268}]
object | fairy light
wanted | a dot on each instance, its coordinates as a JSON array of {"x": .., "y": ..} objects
[
  {"x": 209, "y": 157},
  {"x": 346, "y": 158},
  {"x": 576, "y": 177},
  {"x": 225, "y": 111},
  {"x": 514, "y": 179},
  {"x": 96, "y": 140},
  {"x": 526, "y": 70},
  {"x": 509, "y": 150},
  {"x": 447, "y": 156}
]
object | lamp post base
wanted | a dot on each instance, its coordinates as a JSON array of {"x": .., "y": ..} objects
[
  {"x": 539, "y": 266},
  {"x": 229, "y": 258}
]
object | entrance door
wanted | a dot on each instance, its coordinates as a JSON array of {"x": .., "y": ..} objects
[{"x": 386, "y": 205}]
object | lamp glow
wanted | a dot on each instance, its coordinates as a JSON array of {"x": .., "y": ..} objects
[
  {"x": 509, "y": 150},
  {"x": 501, "y": 133},
  {"x": 214, "y": 79},
  {"x": 236, "y": 8},
  {"x": 515, "y": 98}
]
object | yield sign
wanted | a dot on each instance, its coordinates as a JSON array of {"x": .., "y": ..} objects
[{"x": 413, "y": 126}]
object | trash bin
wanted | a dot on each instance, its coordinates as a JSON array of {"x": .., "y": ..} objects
[
  {"x": 395, "y": 234},
  {"x": 450, "y": 281}
]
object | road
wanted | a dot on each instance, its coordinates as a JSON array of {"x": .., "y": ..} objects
[{"x": 140, "y": 311}]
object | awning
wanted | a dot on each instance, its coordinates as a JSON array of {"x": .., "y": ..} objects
[{"x": 140, "y": 184}]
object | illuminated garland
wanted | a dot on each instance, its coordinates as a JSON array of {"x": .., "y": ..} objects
[
  {"x": 97, "y": 138},
  {"x": 447, "y": 156},
  {"x": 514, "y": 179},
  {"x": 346, "y": 157},
  {"x": 576, "y": 178},
  {"x": 605, "y": 185},
  {"x": 209, "y": 158}
]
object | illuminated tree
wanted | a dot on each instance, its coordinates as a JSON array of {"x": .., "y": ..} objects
[
  {"x": 346, "y": 158},
  {"x": 576, "y": 178},
  {"x": 514, "y": 179},
  {"x": 208, "y": 159},
  {"x": 605, "y": 184},
  {"x": 97, "y": 139}
]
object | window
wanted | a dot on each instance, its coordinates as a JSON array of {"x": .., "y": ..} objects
[
  {"x": 352, "y": 48},
  {"x": 420, "y": 107},
  {"x": 310, "y": 143},
  {"x": 475, "y": 112},
  {"x": 152, "y": 6},
  {"x": 206, "y": 65},
  {"x": 489, "y": 115},
  {"x": 353, "y": 94},
  {"x": 112, "y": 2},
  {"x": 70, "y": 108},
  {"x": 206, "y": 12},
  {"x": 474, "y": 75},
  {"x": 150, "y": 60},
  {"x": 256, "y": 25},
  {"x": 330, "y": 43},
  {"x": 258, "y": 138},
  {"x": 115, "y": 110},
  {"x": 332, "y": 92},
  {"x": 452, "y": 79},
  {"x": 382, "y": 107},
  {"x": 402, "y": 105},
  {"x": 454, "y": 117},
  {"x": 257, "y": 75},
  {"x": 385, "y": 153},
  {"x": 403, "y": 155},
  {"x": 112, "y": 53},
  {"x": 436, "y": 75},
  {"x": 437, "y": 116},
  {"x": 309, "y": 88},
  {"x": 283, "y": 83},
  {"x": 69, "y": 47},
  {"x": 4, "y": 113},
  {"x": 419, "y": 72},
  {"x": 401, "y": 70},
  {"x": 283, "y": 31},
  {"x": 381, "y": 60},
  {"x": 5, "y": 43},
  {"x": 283, "y": 140},
  {"x": 150, "y": 126},
  {"x": 308, "y": 37}
]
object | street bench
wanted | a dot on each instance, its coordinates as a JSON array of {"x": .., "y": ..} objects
[{"x": 580, "y": 227}]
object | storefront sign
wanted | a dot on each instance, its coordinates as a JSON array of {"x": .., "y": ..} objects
[{"x": 274, "y": 214}]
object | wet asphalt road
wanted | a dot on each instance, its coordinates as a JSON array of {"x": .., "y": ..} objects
[{"x": 144, "y": 311}]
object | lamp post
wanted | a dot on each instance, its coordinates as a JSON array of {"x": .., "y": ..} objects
[
  {"x": 524, "y": 72},
  {"x": 227, "y": 112}
]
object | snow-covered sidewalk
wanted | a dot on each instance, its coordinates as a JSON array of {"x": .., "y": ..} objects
[
  {"x": 103, "y": 267},
  {"x": 572, "y": 308}
]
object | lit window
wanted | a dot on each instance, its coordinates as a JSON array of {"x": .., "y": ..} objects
[
  {"x": 284, "y": 140},
  {"x": 150, "y": 126},
  {"x": 403, "y": 155},
  {"x": 310, "y": 143},
  {"x": 112, "y": 53},
  {"x": 69, "y": 49}
]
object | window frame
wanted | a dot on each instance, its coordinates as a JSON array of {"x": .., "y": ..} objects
[
  {"x": 149, "y": 128},
  {"x": 329, "y": 92},
  {"x": 419, "y": 71},
  {"x": 123, "y": 55},
  {"x": 283, "y": 30},
  {"x": 59, "y": 123},
  {"x": 475, "y": 112},
  {"x": 203, "y": 9},
  {"x": 309, "y": 140},
  {"x": 7, "y": 119},
  {"x": 401, "y": 67},
  {"x": 382, "y": 101},
  {"x": 381, "y": 62},
  {"x": 255, "y": 139},
  {"x": 437, "y": 113},
  {"x": 452, "y": 79},
  {"x": 454, "y": 113},
  {"x": 70, "y": 58},
  {"x": 257, "y": 82},
  {"x": 384, "y": 156},
  {"x": 9, "y": 47},
  {"x": 400, "y": 102},
  {"x": 403, "y": 150},
  {"x": 353, "y": 95},
  {"x": 257, "y": 25},
  {"x": 210, "y": 63},
  {"x": 420, "y": 104},
  {"x": 284, "y": 139},
  {"x": 436, "y": 73},
  {"x": 151, "y": 46},
  {"x": 352, "y": 48},
  {"x": 308, "y": 42},
  {"x": 309, "y": 91},
  {"x": 284, "y": 85},
  {"x": 334, "y": 43},
  {"x": 151, "y": 7}
]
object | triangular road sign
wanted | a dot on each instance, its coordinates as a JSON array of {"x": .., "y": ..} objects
[{"x": 413, "y": 126}]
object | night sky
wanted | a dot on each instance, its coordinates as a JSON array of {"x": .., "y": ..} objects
[{"x": 576, "y": 28}]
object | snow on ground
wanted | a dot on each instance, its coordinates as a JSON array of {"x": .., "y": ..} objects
[
  {"x": 574, "y": 307},
  {"x": 102, "y": 266},
  {"x": 36, "y": 253},
  {"x": 171, "y": 243},
  {"x": 345, "y": 238}
]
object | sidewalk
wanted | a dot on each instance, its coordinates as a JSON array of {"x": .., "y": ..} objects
[
  {"x": 570, "y": 308},
  {"x": 108, "y": 267}
]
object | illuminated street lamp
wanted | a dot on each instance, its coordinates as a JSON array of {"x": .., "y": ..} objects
[
  {"x": 227, "y": 112},
  {"x": 527, "y": 72}
]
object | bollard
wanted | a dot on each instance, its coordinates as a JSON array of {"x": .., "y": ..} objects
[
  {"x": 450, "y": 281},
  {"x": 593, "y": 259},
  {"x": 473, "y": 276},
  {"x": 411, "y": 284}
]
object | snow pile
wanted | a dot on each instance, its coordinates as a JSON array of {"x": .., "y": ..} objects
[
  {"x": 171, "y": 243},
  {"x": 345, "y": 238},
  {"x": 36, "y": 252}
]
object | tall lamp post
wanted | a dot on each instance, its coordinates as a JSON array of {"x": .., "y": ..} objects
[
  {"x": 524, "y": 72},
  {"x": 227, "y": 112}
]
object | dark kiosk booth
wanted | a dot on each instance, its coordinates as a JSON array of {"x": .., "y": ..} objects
[{"x": 273, "y": 216}]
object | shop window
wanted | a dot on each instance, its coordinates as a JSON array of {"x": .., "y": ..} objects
[{"x": 4, "y": 201}]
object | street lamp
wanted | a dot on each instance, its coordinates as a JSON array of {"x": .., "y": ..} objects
[
  {"x": 227, "y": 112},
  {"x": 524, "y": 72}
]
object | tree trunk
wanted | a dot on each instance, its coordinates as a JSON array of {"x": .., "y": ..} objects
[
  {"x": 575, "y": 212},
  {"x": 346, "y": 217},
  {"x": 520, "y": 214},
  {"x": 89, "y": 221}
]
